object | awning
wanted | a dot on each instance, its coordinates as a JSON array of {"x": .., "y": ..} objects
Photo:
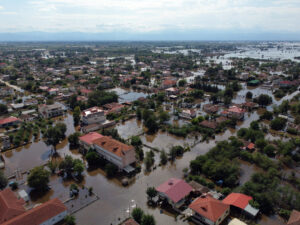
[
  {"x": 251, "y": 210},
  {"x": 128, "y": 169}
]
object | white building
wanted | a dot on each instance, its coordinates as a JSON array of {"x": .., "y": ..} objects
[
  {"x": 93, "y": 115},
  {"x": 118, "y": 153},
  {"x": 49, "y": 111}
]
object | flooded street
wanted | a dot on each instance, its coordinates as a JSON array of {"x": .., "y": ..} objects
[{"x": 116, "y": 201}]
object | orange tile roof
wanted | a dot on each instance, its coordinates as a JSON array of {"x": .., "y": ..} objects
[
  {"x": 294, "y": 218},
  {"x": 209, "y": 207},
  {"x": 113, "y": 146},
  {"x": 9, "y": 120},
  {"x": 39, "y": 214},
  {"x": 238, "y": 200},
  {"x": 90, "y": 137},
  {"x": 10, "y": 205},
  {"x": 130, "y": 222}
]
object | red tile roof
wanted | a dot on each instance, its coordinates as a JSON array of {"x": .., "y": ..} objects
[
  {"x": 39, "y": 214},
  {"x": 130, "y": 222},
  {"x": 90, "y": 137},
  {"x": 10, "y": 205},
  {"x": 209, "y": 207},
  {"x": 294, "y": 218},
  {"x": 175, "y": 189},
  {"x": 251, "y": 146},
  {"x": 209, "y": 124},
  {"x": 235, "y": 109},
  {"x": 238, "y": 200},
  {"x": 113, "y": 146},
  {"x": 9, "y": 120}
]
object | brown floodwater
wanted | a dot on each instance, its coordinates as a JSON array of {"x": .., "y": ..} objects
[{"x": 116, "y": 202}]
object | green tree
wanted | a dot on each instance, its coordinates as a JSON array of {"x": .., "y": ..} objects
[
  {"x": 38, "y": 178},
  {"x": 137, "y": 214},
  {"x": 70, "y": 220},
  {"x": 55, "y": 134},
  {"x": 111, "y": 169},
  {"x": 163, "y": 157},
  {"x": 254, "y": 125},
  {"x": 148, "y": 220},
  {"x": 148, "y": 161},
  {"x": 67, "y": 165},
  {"x": 136, "y": 141},
  {"x": 3, "y": 180},
  {"x": 3, "y": 109},
  {"x": 267, "y": 115},
  {"x": 182, "y": 83},
  {"x": 264, "y": 100},
  {"x": 151, "y": 192},
  {"x": 249, "y": 95},
  {"x": 78, "y": 167},
  {"x": 93, "y": 158},
  {"x": 163, "y": 116},
  {"x": 278, "y": 123},
  {"x": 52, "y": 165},
  {"x": 76, "y": 115},
  {"x": 74, "y": 140}
]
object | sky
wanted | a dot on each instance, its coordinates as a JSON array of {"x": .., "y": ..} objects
[{"x": 153, "y": 17}]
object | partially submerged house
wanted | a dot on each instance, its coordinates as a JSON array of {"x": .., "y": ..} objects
[
  {"x": 208, "y": 210},
  {"x": 241, "y": 201},
  {"x": 116, "y": 152},
  {"x": 294, "y": 218},
  {"x": 174, "y": 191}
]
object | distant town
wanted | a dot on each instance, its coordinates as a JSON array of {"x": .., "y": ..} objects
[{"x": 145, "y": 133}]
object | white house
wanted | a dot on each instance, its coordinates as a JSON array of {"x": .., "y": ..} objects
[
  {"x": 49, "y": 111},
  {"x": 118, "y": 153},
  {"x": 93, "y": 115}
]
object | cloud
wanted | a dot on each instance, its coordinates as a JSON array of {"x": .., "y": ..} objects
[{"x": 150, "y": 15}]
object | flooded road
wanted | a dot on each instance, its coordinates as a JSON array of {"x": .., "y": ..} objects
[{"x": 116, "y": 202}]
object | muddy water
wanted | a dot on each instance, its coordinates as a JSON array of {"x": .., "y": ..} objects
[
  {"x": 128, "y": 95},
  {"x": 116, "y": 201},
  {"x": 37, "y": 153}
]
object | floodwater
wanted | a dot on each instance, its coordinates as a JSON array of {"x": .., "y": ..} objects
[
  {"x": 116, "y": 202},
  {"x": 37, "y": 153},
  {"x": 128, "y": 95}
]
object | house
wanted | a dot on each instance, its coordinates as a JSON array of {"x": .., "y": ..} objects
[
  {"x": 188, "y": 113},
  {"x": 234, "y": 112},
  {"x": 168, "y": 83},
  {"x": 211, "y": 109},
  {"x": 250, "y": 105},
  {"x": 93, "y": 115},
  {"x": 48, "y": 213},
  {"x": 198, "y": 188},
  {"x": 221, "y": 119},
  {"x": 85, "y": 92},
  {"x": 209, "y": 124},
  {"x": 241, "y": 202},
  {"x": 9, "y": 121},
  {"x": 53, "y": 91},
  {"x": 294, "y": 218},
  {"x": 249, "y": 146},
  {"x": 172, "y": 91},
  {"x": 10, "y": 205},
  {"x": 118, "y": 153},
  {"x": 130, "y": 221},
  {"x": 174, "y": 191},
  {"x": 209, "y": 210},
  {"x": 86, "y": 141},
  {"x": 236, "y": 221},
  {"x": 49, "y": 111},
  {"x": 113, "y": 107}
]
